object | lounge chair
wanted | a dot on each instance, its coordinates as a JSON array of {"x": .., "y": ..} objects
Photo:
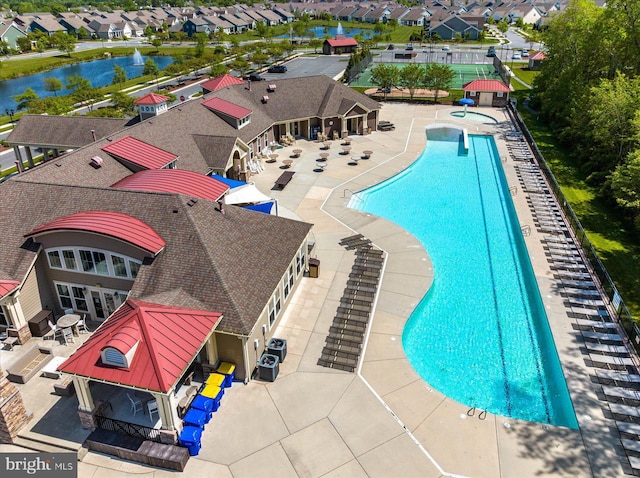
[
  {"x": 626, "y": 411},
  {"x": 606, "y": 349},
  {"x": 573, "y": 275},
  {"x": 619, "y": 393},
  {"x": 628, "y": 428},
  {"x": 617, "y": 377},
  {"x": 589, "y": 312},
  {"x": 602, "y": 336},
  {"x": 579, "y": 284},
  {"x": 597, "y": 324},
  {"x": 610, "y": 361},
  {"x": 584, "y": 293},
  {"x": 632, "y": 446},
  {"x": 585, "y": 302}
]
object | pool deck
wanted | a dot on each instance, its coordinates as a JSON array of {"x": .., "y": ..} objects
[{"x": 384, "y": 420}]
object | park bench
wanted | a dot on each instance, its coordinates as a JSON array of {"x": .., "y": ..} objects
[{"x": 284, "y": 179}]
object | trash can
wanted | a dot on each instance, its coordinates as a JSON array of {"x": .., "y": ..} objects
[
  {"x": 229, "y": 371},
  {"x": 216, "y": 379},
  {"x": 195, "y": 418},
  {"x": 277, "y": 347},
  {"x": 314, "y": 268},
  {"x": 190, "y": 438},
  {"x": 215, "y": 393},
  {"x": 200, "y": 402}
]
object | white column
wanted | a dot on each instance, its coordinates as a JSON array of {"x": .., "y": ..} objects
[
  {"x": 168, "y": 409},
  {"x": 15, "y": 311},
  {"x": 85, "y": 400}
]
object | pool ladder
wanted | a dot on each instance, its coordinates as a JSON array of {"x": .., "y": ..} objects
[{"x": 481, "y": 416}]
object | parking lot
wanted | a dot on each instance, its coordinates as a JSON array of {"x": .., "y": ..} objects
[{"x": 330, "y": 65}]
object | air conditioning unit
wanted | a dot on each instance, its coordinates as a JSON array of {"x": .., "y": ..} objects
[
  {"x": 265, "y": 98},
  {"x": 277, "y": 347},
  {"x": 268, "y": 367},
  {"x": 97, "y": 161},
  {"x": 271, "y": 87}
]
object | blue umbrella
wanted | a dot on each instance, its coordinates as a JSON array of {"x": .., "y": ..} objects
[{"x": 466, "y": 102}]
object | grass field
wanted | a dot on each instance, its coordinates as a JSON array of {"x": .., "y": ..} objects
[{"x": 464, "y": 74}]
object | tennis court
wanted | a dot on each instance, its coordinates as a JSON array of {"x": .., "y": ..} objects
[{"x": 463, "y": 74}]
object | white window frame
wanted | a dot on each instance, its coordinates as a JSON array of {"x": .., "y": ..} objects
[
  {"x": 500, "y": 94},
  {"x": 129, "y": 262},
  {"x": 4, "y": 316}
]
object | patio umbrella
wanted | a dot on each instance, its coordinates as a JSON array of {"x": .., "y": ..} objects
[{"x": 466, "y": 102}]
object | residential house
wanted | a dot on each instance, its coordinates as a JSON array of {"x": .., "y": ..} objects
[
  {"x": 414, "y": 18},
  {"x": 10, "y": 32},
  {"x": 285, "y": 15},
  {"x": 377, "y": 15},
  {"x": 74, "y": 23},
  {"x": 360, "y": 13},
  {"x": 455, "y": 26},
  {"x": 196, "y": 25},
  {"x": 47, "y": 24},
  {"x": 271, "y": 17}
]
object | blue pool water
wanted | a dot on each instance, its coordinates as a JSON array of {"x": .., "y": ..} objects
[{"x": 480, "y": 335}]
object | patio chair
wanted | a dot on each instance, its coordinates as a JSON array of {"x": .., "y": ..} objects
[
  {"x": 67, "y": 334},
  {"x": 152, "y": 406},
  {"x": 82, "y": 324},
  {"x": 55, "y": 331},
  {"x": 136, "y": 405}
]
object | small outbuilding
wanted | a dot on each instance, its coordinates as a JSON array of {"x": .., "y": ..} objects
[
  {"x": 339, "y": 45},
  {"x": 487, "y": 92},
  {"x": 536, "y": 59}
]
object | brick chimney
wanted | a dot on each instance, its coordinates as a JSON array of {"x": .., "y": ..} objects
[{"x": 13, "y": 414}]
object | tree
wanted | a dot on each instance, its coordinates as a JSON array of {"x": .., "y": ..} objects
[
  {"x": 503, "y": 25},
  {"x": 82, "y": 33},
  {"x": 180, "y": 36},
  {"x": 24, "y": 43},
  {"x": 66, "y": 43},
  {"x": 23, "y": 100},
  {"x": 625, "y": 185},
  {"x": 385, "y": 76},
  {"x": 150, "y": 67},
  {"x": 52, "y": 84},
  {"x": 119, "y": 76},
  {"x": 77, "y": 82},
  {"x": 412, "y": 77},
  {"x": 438, "y": 77},
  {"x": 218, "y": 69},
  {"x": 157, "y": 43},
  {"x": 4, "y": 47},
  {"x": 315, "y": 43},
  {"x": 259, "y": 58},
  {"x": 123, "y": 102},
  {"x": 261, "y": 29},
  {"x": 240, "y": 64}
]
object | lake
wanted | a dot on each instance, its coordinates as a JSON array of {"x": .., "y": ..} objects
[{"x": 99, "y": 72}]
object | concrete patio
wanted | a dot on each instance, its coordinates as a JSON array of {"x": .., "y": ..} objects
[{"x": 384, "y": 420}]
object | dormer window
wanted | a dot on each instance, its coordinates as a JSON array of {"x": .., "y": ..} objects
[{"x": 111, "y": 356}]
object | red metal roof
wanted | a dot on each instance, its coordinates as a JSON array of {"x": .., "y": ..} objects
[
  {"x": 170, "y": 338},
  {"x": 346, "y": 41},
  {"x": 113, "y": 224},
  {"x": 538, "y": 56},
  {"x": 225, "y": 107},
  {"x": 220, "y": 82},
  {"x": 7, "y": 286},
  {"x": 151, "y": 99},
  {"x": 174, "y": 181},
  {"x": 485, "y": 85},
  {"x": 140, "y": 153}
]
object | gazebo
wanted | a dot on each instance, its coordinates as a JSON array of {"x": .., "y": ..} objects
[{"x": 140, "y": 354}]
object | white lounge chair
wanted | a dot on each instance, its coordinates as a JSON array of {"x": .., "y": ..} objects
[
  {"x": 630, "y": 428},
  {"x": 585, "y": 302},
  {"x": 620, "y": 377},
  {"x": 624, "y": 410},
  {"x": 621, "y": 393},
  {"x": 605, "y": 348},
  {"x": 602, "y": 336},
  {"x": 597, "y": 324},
  {"x": 611, "y": 360},
  {"x": 584, "y": 293}
]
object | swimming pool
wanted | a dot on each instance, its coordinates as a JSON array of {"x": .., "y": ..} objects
[
  {"x": 480, "y": 335},
  {"x": 473, "y": 116}
]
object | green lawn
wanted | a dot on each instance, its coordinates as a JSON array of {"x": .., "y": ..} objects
[{"x": 612, "y": 234}]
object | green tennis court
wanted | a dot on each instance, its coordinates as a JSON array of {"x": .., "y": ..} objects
[{"x": 464, "y": 74}]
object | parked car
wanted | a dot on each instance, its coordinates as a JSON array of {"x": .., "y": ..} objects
[
  {"x": 254, "y": 77},
  {"x": 525, "y": 53},
  {"x": 409, "y": 47},
  {"x": 390, "y": 47},
  {"x": 516, "y": 55},
  {"x": 491, "y": 51},
  {"x": 446, "y": 48},
  {"x": 277, "y": 69}
]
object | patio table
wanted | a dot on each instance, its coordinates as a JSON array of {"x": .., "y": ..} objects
[
  {"x": 322, "y": 163},
  {"x": 297, "y": 153},
  {"x": 366, "y": 154},
  {"x": 324, "y": 156},
  {"x": 287, "y": 163},
  {"x": 69, "y": 321},
  {"x": 326, "y": 145},
  {"x": 272, "y": 158},
  {"x": 346, "y": 149}
]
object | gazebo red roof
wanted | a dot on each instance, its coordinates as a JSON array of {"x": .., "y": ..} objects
[
  {"x": 140, "y": 153},
  {"x": 345, "y": 41},
  {"x": 7, "y": 286},
  {"x": 168, "y": 341},
  {"x": 485, "y": 85},
  {"x": 113, "y": 224},
  {"x": 539, "y": 55},
  {"x": 151, "y": 99},
  {"x": 178, "y": 181},
  {"x": 225, "y": 107},
  {"x": 220, "y": 82}
]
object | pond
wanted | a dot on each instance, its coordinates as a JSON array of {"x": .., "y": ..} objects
[
  {"x": 319, "y": 32},
  {"x": 99, "y": 72}
]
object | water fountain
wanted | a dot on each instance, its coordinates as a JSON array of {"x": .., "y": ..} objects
[
  {"x": 137, "y": 58},
  {"x": 339, "y": 30}
]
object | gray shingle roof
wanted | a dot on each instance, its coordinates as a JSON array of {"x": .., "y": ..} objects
[{"x": 229, "y": 263}]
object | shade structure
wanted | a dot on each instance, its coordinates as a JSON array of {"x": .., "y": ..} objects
[
  {"x": 466, "y": 102},
  {"x": 264, "y": 207},
  {"x": 232, "y": 183},
  {"x": 245, "y": 194}
]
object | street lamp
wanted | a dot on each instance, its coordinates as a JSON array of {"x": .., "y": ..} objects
[
  {"x": 10, "y": 113},
  {"x": 156, "y": 74}
]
